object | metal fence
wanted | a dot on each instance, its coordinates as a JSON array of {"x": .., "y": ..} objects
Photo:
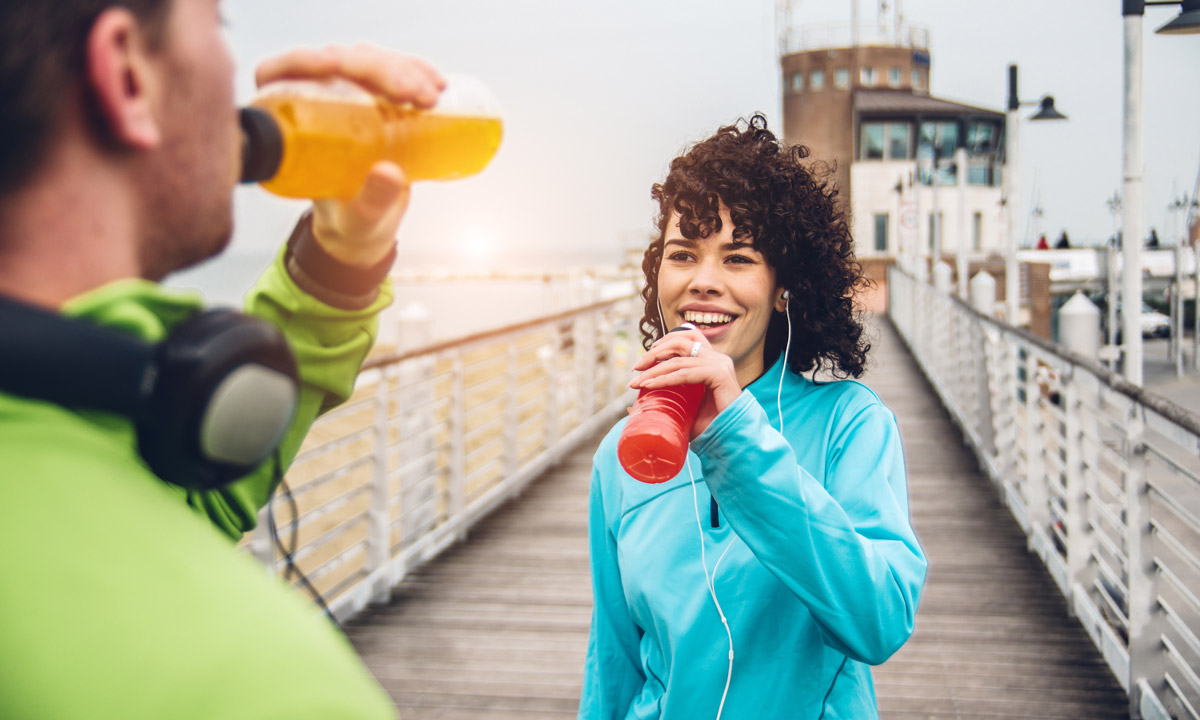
[
  {"x": 1103, "y": 477},
  {"x": 436, "y": 438}
]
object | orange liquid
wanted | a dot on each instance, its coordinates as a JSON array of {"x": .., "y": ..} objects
[{"x": 329, "y": 144}]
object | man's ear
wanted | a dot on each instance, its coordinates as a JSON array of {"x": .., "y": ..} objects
[{"x": 119, "y": 74}]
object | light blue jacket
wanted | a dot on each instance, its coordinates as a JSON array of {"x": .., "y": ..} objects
[{"x": 821, "y": 577}]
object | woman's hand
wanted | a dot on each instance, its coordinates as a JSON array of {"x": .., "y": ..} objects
[
  {"x": 360, "y": 231},
  {"x": 671, "y": 361}
]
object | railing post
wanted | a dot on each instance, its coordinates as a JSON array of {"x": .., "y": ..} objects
[
  {"x": 1035, "y": 475},
  {"x": 1145, "y": 644},
  {"x": 553, "y": 374},
  {"x": 511, "y": 413},
  {"x": 1075, "y": 523},
  {"x": 261, "y": 546},
  {"x": 585, "y": 345},
  {"x": 379, "y": 541},
  {"x": 456, "y": 490}
]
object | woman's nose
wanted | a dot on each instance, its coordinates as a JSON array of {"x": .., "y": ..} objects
[{"x": 706, "y": 280}]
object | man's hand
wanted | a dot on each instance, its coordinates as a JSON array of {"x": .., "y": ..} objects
[{"x": 361, "y": 231}]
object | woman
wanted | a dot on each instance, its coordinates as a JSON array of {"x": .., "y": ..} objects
[{"x": 790, "y": 520}]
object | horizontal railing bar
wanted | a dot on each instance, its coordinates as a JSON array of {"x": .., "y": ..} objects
[
  {"x": 1172, "y": 505},
  {"x": 1180, "y": 696},
  {"x": 1188, "y": 672},
  {"x": 393, "y": 358},
  {"x": 331, "y": 475},
  {"x": 331, "y": 445},
  {"x": 1111, "y": 603},
  {"x": 1181, "y": 628},
  {"x": 1179, "y": 585}
]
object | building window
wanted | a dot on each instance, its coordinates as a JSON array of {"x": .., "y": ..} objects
[
  {"x": 841, "y": 78},
  {"x": 915, "y": 77},
  {"x": 797, "y": 82},
  {"x": 867, "y": 76},
  {"x": 899, "y": 141},
  {"x": 816, "y": 80},
  {"x": 881, "y": 232},
  {"x": 936, "y": 142},
  {"x": 886, "y": 141},
  {"x": 983, "y": 141},
  {"x": 894, "y": 77},
  {"x": 977, "y": 231},
  {"x": 935, "y": 230},
  {"x": 872, "y": 141}
]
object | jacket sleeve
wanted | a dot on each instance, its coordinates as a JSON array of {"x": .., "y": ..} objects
[
  {"x": 330, "y": 344},
  {"x": 611, "y": 675},
  {"x": 845, "y": 548}
]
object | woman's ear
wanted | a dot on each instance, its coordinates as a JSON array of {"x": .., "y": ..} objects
[{"x": 781, "y": 302}]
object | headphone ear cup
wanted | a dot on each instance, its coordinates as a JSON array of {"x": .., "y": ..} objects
[{"x": 224, "y": 392}]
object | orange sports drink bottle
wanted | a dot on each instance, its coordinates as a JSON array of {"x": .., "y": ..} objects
[
  {"x": 318, "y": 139},
  {"x": 654, "y": 443}
]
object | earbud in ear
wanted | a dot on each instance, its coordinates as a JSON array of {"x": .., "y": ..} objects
[{"x": 786, "y": 294}]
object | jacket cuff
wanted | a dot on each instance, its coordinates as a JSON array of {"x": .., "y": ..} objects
[{"x": 328, "y": 279}]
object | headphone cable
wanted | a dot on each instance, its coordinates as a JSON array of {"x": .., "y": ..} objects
[{"x": 288, "y": 554}]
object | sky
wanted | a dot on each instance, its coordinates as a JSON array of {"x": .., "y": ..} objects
[{"x": 598, "y": 97}]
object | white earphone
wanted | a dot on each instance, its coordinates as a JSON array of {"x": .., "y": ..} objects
[{"x": 710, "y": 578}]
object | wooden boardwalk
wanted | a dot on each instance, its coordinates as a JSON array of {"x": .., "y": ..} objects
[{"x": 497, "y": 627}]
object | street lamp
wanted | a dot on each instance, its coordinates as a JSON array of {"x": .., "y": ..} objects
[
  {"x": 1012, "y": 133},
  {"x": 1186, "y": 23}
]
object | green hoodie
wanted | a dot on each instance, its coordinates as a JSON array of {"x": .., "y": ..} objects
[{"x": 117, "y": 599}]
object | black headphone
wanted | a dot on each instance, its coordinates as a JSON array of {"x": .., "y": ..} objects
[{"x": 209, "y": 403}]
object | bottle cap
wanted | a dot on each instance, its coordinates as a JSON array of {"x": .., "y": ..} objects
[{"x": 262, "y": 145}]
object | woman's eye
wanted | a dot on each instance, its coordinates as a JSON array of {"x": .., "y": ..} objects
[
  {"x": 741, "y": 259},
  {"x": 679, "y": 256}
]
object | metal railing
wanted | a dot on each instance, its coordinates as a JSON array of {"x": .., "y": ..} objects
[
  {"x": 805, "y": 37},
  {"x": 1103, "y": 477},
  {"x": 435, "y": 438}
]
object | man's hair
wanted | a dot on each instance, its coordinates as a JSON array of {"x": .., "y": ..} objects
[{"x": 42, "y": 46}]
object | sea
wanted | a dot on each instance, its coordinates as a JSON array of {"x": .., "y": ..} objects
[{"x": 457, "y": 301}]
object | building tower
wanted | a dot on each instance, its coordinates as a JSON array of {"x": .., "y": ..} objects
[{"x": 858, "y": 95}]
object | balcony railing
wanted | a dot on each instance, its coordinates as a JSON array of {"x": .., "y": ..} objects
[
  {"x": 435, "y": 438},
  {"x": 1103, "y": 477}
]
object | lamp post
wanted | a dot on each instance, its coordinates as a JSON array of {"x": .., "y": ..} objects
[
  {"x": 1114, "y": 206},
  {"x": 1012, "y": 147},
  {"x": 1187, "y": 22}
]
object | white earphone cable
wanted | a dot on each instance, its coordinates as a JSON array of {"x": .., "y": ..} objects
[{"x": 709, "y": 579}]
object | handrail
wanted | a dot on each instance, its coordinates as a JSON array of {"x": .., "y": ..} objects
[
  {"x": 1094, "y": 470},
  {"x": 436, "y": 437}
]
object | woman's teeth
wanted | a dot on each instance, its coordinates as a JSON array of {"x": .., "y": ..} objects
[{"x": 700, "y": 318}]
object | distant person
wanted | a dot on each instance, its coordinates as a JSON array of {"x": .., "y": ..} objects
[
  {"x": 793, "y": 500},
  {"x": 1063, "y": 243},
  {"x": 122, "y": 596},
  {"x": 1042, "y": 244},
  {"x": 1152, "y": 241}
]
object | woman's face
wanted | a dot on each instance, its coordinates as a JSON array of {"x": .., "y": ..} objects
[{"x": 722, "y": 286}]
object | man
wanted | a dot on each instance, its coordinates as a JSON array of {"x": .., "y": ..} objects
[{"x": 120, "y": 151}]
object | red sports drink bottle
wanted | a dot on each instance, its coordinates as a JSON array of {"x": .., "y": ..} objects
[{"x": 654, "y": 444}]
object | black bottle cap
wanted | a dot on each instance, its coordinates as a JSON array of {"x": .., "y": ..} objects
[{"x": 262, "y": 145}]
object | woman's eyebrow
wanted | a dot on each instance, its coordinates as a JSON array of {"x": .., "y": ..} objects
[{"x": 680, "y": 241}]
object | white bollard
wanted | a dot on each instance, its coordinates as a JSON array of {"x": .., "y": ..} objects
[
  {"x": 1079, "y": 326},
  {"x": 941, "y": 277},
  {"x": 983, "y": 293}
]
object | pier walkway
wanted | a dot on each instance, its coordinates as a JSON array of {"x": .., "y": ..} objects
[{"x": 497, "y": 626}]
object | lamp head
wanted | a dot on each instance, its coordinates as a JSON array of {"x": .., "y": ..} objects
[
  {"x": 1047, "y": 111},
  {"x": 1186, "y": 23}
]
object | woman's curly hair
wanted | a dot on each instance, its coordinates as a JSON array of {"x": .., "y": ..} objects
[{"x": 789, "y": 213}]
